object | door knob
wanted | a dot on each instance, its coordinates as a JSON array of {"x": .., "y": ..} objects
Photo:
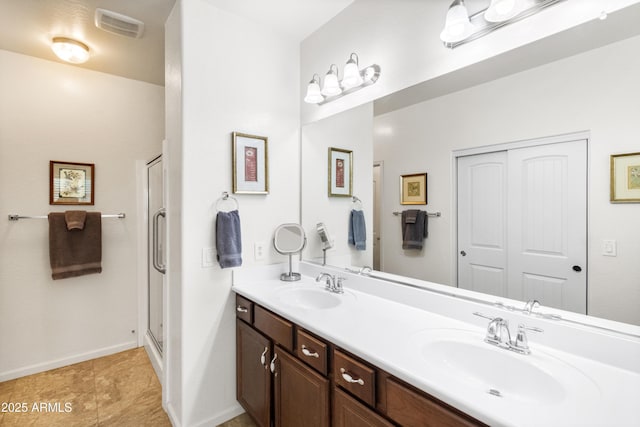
[
  {"x": 463, "y": 253},
  {"x": 577, "y": 268}
]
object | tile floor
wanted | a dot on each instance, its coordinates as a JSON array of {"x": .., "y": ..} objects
[
  {"x": 240, "y": 421},
  {"x": 118, "y": 390}
]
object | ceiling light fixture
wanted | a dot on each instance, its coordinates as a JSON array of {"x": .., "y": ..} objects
[
  {"x": 333, "y": 88},
  {"x": 460, "y": 28},
  {"x": 70, "y": 50}
]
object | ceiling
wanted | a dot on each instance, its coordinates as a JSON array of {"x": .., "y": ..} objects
[{"x": 27, "y": 27}]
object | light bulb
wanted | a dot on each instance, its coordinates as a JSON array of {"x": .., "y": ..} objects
[
  {"x": 331, "y": 86},
  {"x": 457, "y": 26},
  {"x": 502, "y": 10},
  {"x": 313, "y": 93},
  {"x": 352, "y": 77}
]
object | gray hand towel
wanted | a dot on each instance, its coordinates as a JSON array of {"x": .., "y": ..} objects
[
  {"x": 414, "y": 229},
  {"x": 357, "y": 230},
  {"x": 228, "y": 239},
  {"x": 75, "y": 252}
]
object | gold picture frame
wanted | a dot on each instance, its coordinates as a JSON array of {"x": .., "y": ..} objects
[
  {"x": 71, "y": 183},
  {"x": 413, "y": 189},
  {"x": 340, "y": 172},
  {"x": 250, "y": 163},
  {"x": 625, "y": 178}
]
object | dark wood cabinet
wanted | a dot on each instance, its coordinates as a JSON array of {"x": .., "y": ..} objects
[
  {"x": 348, "y": 412},
  {"x": 253, "y": 377},
  {"x": 288, "y": 377},
  {"x": 301, "y": 395}
]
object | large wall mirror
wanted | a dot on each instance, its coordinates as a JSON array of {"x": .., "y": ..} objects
[{"x": 591, "y": 96}]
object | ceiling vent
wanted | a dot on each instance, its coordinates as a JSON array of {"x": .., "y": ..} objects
[{"x": 117, "y": 23}]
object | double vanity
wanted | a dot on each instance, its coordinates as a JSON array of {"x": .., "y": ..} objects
[{"x": 353, "y": 350}]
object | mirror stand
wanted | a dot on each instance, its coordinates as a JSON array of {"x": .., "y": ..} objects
[{"x": 290, "y": 276}]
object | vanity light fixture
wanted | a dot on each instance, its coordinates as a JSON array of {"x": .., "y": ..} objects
[
  {"x": 70, "y": 50},
  {"x": 461, "y": 28},
  {"x": 333, "y": 88}
]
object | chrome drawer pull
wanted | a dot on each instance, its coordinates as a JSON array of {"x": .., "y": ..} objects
[
  {"x": 241, "y": 309},
  {"x": 263, "y": 356},
  {"x": 307, "y": 353},
  {"x": 348, "y": 378},
  {"x": 273, "y": 364}
]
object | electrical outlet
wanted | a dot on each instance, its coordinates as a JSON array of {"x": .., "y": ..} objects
[
  {"x": 609, "y": 248},
  {"x": 208, "y": 257},
  {"x": 259, "y": 249}
]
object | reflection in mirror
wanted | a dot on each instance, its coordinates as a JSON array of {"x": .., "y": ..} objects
[
  {"x": 590, "y": 94},
  {"x": 325, "y": 239},
  {"x": 289, "y": 239}
]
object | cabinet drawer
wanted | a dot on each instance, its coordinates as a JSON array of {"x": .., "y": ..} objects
[
  {"x": 355, "y": 377},
  {"x": 244, "y": 309},
  {"x": 311, "y": 351},
  {"x": 273, "y": 326},
  {"x": 409, "y": 408}
]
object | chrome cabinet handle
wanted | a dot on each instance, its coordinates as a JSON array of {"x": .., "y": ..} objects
[
  {"x": 272, "y": 365},
  {"x": 263, "y": 356},
  {"x": 241, "y": 309},
  {"x": 308, "y": 353},
  {"x": 155, "y": 258},
  {"x": 348, "y": 378}
]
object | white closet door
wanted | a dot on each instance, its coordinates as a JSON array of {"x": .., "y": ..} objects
[
  {"x": 482, "y": 210},
  {"x": 548, "y": 225}
]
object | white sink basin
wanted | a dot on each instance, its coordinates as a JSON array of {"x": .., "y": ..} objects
[
  {"x": 311, "y": 298},
  {"x": 463, "y": 356}
]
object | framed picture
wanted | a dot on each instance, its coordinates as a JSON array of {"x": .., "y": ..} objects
[
  {"x": 340, "y": 172},
  {"x": 250, "y": 164},
  {"x": 413, "y": 189},
  {"x": 625, "y": 178},
  {"x": 71, "y": 183}
]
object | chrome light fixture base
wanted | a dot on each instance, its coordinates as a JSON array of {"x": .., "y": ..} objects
[
  {"x": 369, "y": 75},
  {"x": 484, "y": 27}
]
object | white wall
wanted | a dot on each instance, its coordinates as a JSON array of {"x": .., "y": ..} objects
[
  {"x": 236, "y": 76},
  {"x": 50, "y": 111},
  {"x": 352, "y": 130},
  {"x": 172, "y": 159},
  {"x": 596, "y": 91},
  {"x": 402, "y": 36}
]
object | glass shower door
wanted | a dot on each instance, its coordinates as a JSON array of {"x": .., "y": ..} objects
[{"x": 156, "y": 246}]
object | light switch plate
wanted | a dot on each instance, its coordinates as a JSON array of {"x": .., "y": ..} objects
[
  {"x": 609, "y": 248},
  {"x": 208, "y": 257}
]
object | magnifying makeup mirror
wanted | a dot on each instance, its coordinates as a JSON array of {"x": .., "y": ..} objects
[{"x": 289, "y": 239}]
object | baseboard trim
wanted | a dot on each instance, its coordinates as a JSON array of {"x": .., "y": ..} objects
[
  {"x": 59, "y": 363},
  {"x": 175, "y": 422}
]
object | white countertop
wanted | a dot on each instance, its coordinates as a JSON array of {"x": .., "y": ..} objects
[{"x": 387, "y": 334}]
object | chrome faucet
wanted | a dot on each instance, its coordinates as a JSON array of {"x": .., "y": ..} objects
[
  {"x": 498, "y": 334},
  {"x": 332, "y": 283},
  {"x": 365, "y": 270},
  {"x": 530, "y": 305}
]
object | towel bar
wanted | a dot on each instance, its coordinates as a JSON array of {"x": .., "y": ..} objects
[
  {"x": 15, "y": 217},
  {"x": 428, "y": 213}
]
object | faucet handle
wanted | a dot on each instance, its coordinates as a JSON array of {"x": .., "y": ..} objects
[
  {"x": 484, "y": 316},
  {"x": 521, "y": 344},
  {"x": 338, "y": 284}
]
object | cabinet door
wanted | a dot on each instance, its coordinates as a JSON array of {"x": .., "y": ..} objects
[
  {"x": 301, "y": 395},
  {"x": 253, "y": 377},
  {"x": 348, "y": 412}
]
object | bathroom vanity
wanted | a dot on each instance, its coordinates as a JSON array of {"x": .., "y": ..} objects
[{"x": 383, "y": 354}]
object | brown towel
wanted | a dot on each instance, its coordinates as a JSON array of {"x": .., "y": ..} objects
[
  {"x": 75, "y": 252},
  {"x": 75, "y": 219}
]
